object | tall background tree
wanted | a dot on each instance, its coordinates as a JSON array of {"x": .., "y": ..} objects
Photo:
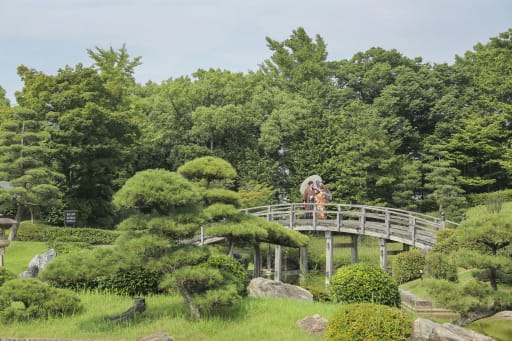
[
  {"x": 92, "y": 133},
  {"x": 27, "y": 164}
]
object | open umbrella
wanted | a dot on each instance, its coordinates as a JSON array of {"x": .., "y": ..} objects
[{"x": 315, "y": 178}]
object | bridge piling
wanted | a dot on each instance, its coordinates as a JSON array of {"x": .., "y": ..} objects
[
  {"x": 303, "y": 260},
  {"x": 383, "y": 253},
  {"x": 277, "y": 262},
  {"x": 328, "y": 257},
  {"x": 355, "y": 257}
]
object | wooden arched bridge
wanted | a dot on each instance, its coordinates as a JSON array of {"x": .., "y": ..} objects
[{"x": 386, "y": 224}]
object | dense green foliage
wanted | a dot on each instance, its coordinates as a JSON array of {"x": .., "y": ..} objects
[
  {"x": 380, "y": 127},
  {"x": 29, "y": 298},
  {"x": 26, "y": 164},
  {"x": 368, "y": 322},
  {"x": 480, "y": 245},
  {"x": 167, "y": 207},
  {"x": 364, "y": 283},
  {"x": 408, "y": 266},
  {"x": 489, "y": 236},
  {"x": 5, "y": 275},
  {"x": 46, "y": 233},
  {"x": 232, "y": 267},
  {"x": 438, "y": 263},
  {"x": 441, "y": 266}
]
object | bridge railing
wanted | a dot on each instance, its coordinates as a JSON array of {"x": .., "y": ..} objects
[{"x": 394, "y": 224}]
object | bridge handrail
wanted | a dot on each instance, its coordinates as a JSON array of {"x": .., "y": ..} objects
[{"x": 288, "y": 207}]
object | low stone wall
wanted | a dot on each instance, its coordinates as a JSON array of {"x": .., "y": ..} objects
[{"x": 425, "y": 308}]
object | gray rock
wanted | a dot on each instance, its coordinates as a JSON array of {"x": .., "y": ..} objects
[
  {"x": 422, "y": 329},
  {"x": 314, "y": 325},
  {"x": 505, "y": 315},
  {"x": 262, "y": 287},
  {"x": 38, "y": 263},
  {"x": 426, "y": 330}
]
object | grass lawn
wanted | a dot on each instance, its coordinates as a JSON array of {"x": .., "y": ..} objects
[
  {"x": 253, "y": 319},
  {"x": 500, "y": 329},
  {"x": 19, "y": 254}
]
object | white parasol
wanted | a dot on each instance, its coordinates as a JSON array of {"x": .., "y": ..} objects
[{"x": 315, "y": 178}]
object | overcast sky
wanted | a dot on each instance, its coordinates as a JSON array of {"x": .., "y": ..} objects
[{"x": 177, "y": 37}]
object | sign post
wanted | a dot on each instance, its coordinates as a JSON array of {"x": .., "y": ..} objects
[{"x": 70, "y": 217}]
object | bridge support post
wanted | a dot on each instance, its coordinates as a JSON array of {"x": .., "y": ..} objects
[
  {"x": 328, "y": 257},
  {"x": 383, "y": 254},
  {"x": 257, "y": 261},
  {"x": 303, "y": 260},
  {"x": 355, "y": 257},
  {"x": 277, "y": 263}
]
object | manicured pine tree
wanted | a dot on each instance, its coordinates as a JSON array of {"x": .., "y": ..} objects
[{"x": 26, "y": 163}]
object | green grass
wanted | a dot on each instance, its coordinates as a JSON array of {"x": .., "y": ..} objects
[
  {"x": 419, "y": 287},
  {"x": 253, "y": 319},
  {"x": 498, "y": 328},
  {"x": 19, "y": 254}
]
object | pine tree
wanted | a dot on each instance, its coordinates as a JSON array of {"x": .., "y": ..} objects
[{"x": 26, "y": 163}]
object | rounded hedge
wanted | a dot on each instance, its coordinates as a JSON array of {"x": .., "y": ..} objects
[
  {"x": 359, "y": 283},
  {"x": 368, "y": 322},
  {"x": 446, "y": 241},
  {"x": 23, "y": 299},
  {"x": 408, "y": 266}
]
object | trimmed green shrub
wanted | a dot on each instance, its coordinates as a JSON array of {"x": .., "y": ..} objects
[
  {"x": 45, "y": 233},
  {"x": 6, "y": 275},
  {"x": 132, "y": 282},
  {"x": 318, "y": 295},
  {"x": 28, "y": 232},
  {"x": 81, "y": 270},
  {"x": 23, "y": 299},
  {"x": 440, "y": 266},
  {"x": 446, "y": 241},
  {"x": 359, "y": 283},
  {"x": 84, "y": 235},
  {"x": 368, "y": 322},
  {"x": 232, "y": 268},
  {"x": 67, "y": 247},
  {"x": 408, "y": 266}
]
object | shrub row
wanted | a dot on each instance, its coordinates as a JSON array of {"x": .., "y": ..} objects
[{"x": 44, "y": 233}]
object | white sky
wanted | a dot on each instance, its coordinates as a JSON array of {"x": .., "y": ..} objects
[{"x": 177, "y": 37}]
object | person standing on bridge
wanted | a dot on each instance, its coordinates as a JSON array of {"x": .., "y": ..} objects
[
  {"x": 321, "y": 198},
  {"x": 309, "y": 197}
]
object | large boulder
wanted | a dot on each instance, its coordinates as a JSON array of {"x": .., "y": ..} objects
[
  {"x": 504, "y": 315},
  {"x": 263, "y": 287},
  {"x": 426, "y": 330},
  {"x": 38, "y": 263}
]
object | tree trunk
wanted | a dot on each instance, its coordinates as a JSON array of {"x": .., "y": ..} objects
[
  {"x": 231, "y": 248},
  {"x": 14, "y": 228},
  {"x": 194, "y": 311},
  {"x": 493, "y": 278},
  {"x": 31, "y": 215}
]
